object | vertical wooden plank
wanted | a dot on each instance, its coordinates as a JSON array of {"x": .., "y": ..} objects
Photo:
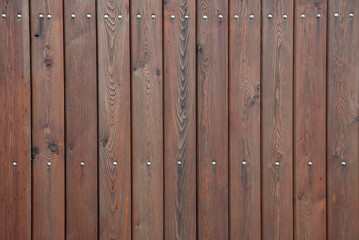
[
  {"x": 147, "y": 119},
  {"x": 277, "y": 119},
  {"x": 342, "y": 120},
  {"x": 114, "y": 119},
  {"x": 48, "y": 126},
  {"x": 244, "y": 118},
  {"x": 180, "y": 119},
  {"x": 15, "y": 121},
  {"x": 81, "y": 120},
  {"x": 310, "y": 119},
  {"x": 212, "y": 127}
]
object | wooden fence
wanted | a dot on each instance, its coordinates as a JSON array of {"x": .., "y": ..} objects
[{"x": 179, "y": 119}]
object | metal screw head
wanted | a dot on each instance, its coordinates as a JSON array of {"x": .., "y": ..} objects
[
  {"x": 173, "y": 17},
  {"x": 73, "y": 16},
  {"x": 114, "y": 163},
  {"x": 49, "y": 164},
  {"x": 344, "y": 163},
  {"x": 251, "y": 16},
  {"x": 270, "y": 16},
  {"x": 3, "y": 15},
  {"x": 148, "y": 163},
  {"x": 336, "y": 15},
  {"x": 41, "y": 16},
  {"x": 153, "y": 16},
  {"x": 19, "y": 16},
  {"x": 119, "y": 17},
  {"x": 179, "y": 163},
  {"x": 220, "y": 16},
  {"x": 302, "y": 16},
  {"x": 88, "y": 16},
  {"x": 310, "y": 163},
  {"x": 351, "y": 15},
  {"x": 244, "y": 163},
  {"x": 285, "y": 16},
  {"x": 318, "y": 15},
  {"x": 276, "y": 164},
  {"x": 204, "y": 17},
  {"x": 106, "y": 16},
  {"x": 236, "y": 17},
  {"x": 82, "y": 164},
  {"x": 214, "y": 163},
  {"x": 49, "y": 16},
  {"x": 138, "y": 16},
  {"x": 14, "y": 164},
  {"x": 186, "y": 16}
]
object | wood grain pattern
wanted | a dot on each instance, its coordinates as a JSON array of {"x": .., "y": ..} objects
[
  {"x": 48, "y": 123},
  {"x": 15, "y": 122},
  {"x": 277, "y": 120},
  {"x": 147, "y": 119},
  {"x": 310, "y": 120},
  {"x": 343, "y": 113},
  {"x": 180, "y": 119},
  {"x": 212, "y": 123},
  {"x": 244, "y": 118},
  {"x": 81, "y": 120},
  {"x": 114, "y": 119}
]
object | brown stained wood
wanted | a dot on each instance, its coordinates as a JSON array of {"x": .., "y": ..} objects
[
  {"x": 15, "y": 122},
  {"x": 244, "y": 117},
  {"x": 277, "y": 120},
  {"x": 114, "y": 120},
  {"x": 48, "y": 123},
  {"x": 81, "y": 120},
  {"x": 147, "y": 119},
  {"x": 342, "y": 120},
  {"x": 180, "y": 119},
  {"x": 212, "y": 122},
  {"x": 310, "y": 119}
]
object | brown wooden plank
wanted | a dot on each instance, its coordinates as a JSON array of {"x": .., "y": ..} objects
[
  {"x": 212, "y": 123},
  {"x": 48, "y": 126},
  {"x": 342, "y": 120},
  {"x": 244, "y": 118},
  {"x": 277, "y": 119},
  {"x": 180, "y": 119},
  {"x": 15, "y": 121},
  {"x": 310, "y": 119},
  {"x": 147, "y": 119},
  {"x": 114, "y": 119},
  {"x": 81, "y": 120}
]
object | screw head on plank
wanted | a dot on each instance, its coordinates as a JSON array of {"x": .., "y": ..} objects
[
  {"x": 205, "y": 17},
  {"x": 3, "y": 15},
  {"x": 14, "y": 164},
  {"x": 179, "y": 163},
  {"x": 106, "y": 16},
  {"x": 336, "y": 15},
  {"x": 138, "y": 16},
  {"x": 310, "y": 163},
  {"x": 148, "y": 163},
  {"x": 302, "y": 16},
  {"x": 49, "y": 16},
  {"x": 351, "y": 15},
  {"x": 41, "y": 16},
  {"x": 244, "y": 163},
  {"x": 114, "y": 163},
  {"x": 220, "y": 16},
  {"x": 88, "y": 16},
  {"x": 82, "y": 164},
  {"x": 186, "y": 16},
  {"x": 236, "y": 17},
  {"x": 270, "y": 16},
  {"x": 285, "y": 16},
  {"x": 73, "y": 16},
  {"x": 344, "y": 164},
  {"x": 173, "y": 17},
  {"x": 153, "y": 16},
  {"x": 214, "y": 163},
  {"x": 276, "y": 164},
  {"x": 318, "y": 15},
  {"x": 251, "y": 16},
  {"x": 119, "y": 17},
  {"x": 19, "y": 16},
  {"x": 49, "y": 164}
]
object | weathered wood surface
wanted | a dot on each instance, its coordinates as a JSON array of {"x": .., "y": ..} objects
[
  {"x": 81, "y": 120},
  {"x": 212, "y": 122},
  {"x": 180, "y": 119},
  {"x": 48, "y": 120},
  {"x": 310, "y": 119},
  {"x": 277, "y": 119},
  {"x": 114, "y": 119},
  {"x": 342, "y": 120},
  {"x": 244, "y": 119},
  {"x": 15, "y": 121},
  {"x": 147, "y": 119}
]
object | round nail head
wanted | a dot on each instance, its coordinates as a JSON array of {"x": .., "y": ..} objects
[
  {"x": 214, "y": 163},
  {"x": 114, "y": 163},
  {"x": 14, "y": 164},
  {"x": 88, "y": 16},
  {"x": 19, "y": 16},
  {"x": 251, "y": 16},
  {"x": 205, "y": 17},
  {"x": 220, "y": 16},
  {"x": 49, "y": 164},
  {"x": 285, "y": 16},
  {"x": 173, "y": 17},
  {"x": 82, "y": 164},
  {"x": 336, "y": 15},
  {"x": 351, "y": 15},
  {"x": 119, "y": 17},
  {"x": 73, "y": 16},
  {"x": 318, "y": 15},
  {"x": 138, "y": 16},
  {"x": 49, "y": 16},
  {"x": 310, "y": 163},
  {"x": 185, "y": 17},
  {"x": 270, "y": 16},
  {"x": 41, "y": 16},
  {"x": 277, "y": 164},
  {"x": 344, "y": 164},
  {"x": 179, "y": 163},
  {"x": 148, "y": 163},
  {"x": 153, "y": 16},
  {"x": 3, "y": 15},
  {"x": 236, "y": 17},
  {"x": 244, "y": 163},
  {"x": 106, "y": 16},
  {"x": 302, "y": 16}
]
